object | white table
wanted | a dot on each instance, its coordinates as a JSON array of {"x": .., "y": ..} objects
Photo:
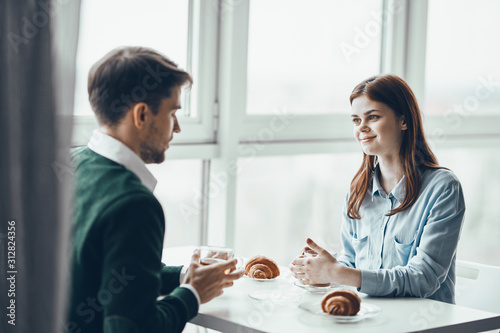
[{"x": 235, "y": 311}]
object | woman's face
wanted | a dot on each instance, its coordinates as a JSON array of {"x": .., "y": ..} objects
[{"x": 377, "y": 128}]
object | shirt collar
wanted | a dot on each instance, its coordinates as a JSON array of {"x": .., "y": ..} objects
[
  {"x": 398, "y": 192},
  {"x": 118, "y": 152}
]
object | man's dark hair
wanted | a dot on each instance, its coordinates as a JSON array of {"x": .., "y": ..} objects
[{"x": 129, "y": 75}]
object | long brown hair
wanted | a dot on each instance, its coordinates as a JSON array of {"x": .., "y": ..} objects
[{"x": 415, "y": 153}]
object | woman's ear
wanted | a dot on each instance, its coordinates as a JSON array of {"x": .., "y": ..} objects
[{"x": 404, "y": 127}]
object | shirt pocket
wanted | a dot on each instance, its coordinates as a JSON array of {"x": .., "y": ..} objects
[
  {"x": 402, "y": 252},
  {"x": 361, "y": 249}
]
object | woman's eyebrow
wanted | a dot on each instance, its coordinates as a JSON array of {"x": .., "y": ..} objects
[
  {"x": 365, "y": 113},
  {"x": 369, "y": 111}
]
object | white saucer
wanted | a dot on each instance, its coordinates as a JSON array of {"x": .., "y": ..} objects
[
  {"x": 366, "y": 311},
  {"x": 316, "y": 290}
]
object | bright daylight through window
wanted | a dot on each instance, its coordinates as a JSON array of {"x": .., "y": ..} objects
[
  {"x": 162, "y": 25},
  {"x": 303, "y": 60},
  {"x": 306, "y": 56}
]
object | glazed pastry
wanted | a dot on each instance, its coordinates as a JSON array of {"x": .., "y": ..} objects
[
  {"x": 341, "y": 303},
  {"x": 261, "y": 267}
]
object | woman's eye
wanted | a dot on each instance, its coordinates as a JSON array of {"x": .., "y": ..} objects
[
  {"x": 356, "y": 121},
  {"x": 373, "y": 117}
]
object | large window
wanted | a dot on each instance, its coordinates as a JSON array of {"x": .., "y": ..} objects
[
  {"x": 306, "y": 56},
  {"x": 462, "y": 72},
  {"x": 176, "y": 28},
  {"x": 267, "y": 120},
  {"x": 162, "y": 25},
  {"x": 462, "y": 102}
]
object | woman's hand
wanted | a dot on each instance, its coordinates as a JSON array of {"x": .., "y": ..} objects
[{"x": 320, "y": 267}]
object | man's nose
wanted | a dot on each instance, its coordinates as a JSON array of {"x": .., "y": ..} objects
[{"x": 177, "y": 127}]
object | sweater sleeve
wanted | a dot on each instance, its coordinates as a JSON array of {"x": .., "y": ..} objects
[
  {"x": 131, "y": 281},
  {"x": 170, "y": 278}
]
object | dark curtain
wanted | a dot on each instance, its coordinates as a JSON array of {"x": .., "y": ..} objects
[{"x": 38, "y": 41}]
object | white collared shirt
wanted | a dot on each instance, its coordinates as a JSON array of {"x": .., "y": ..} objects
[{"x": 116, "y": 151}]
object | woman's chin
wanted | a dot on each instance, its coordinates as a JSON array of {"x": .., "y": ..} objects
[{"x": 369, "y": 152}]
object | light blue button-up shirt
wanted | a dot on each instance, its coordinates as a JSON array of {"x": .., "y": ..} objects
[{"x": 413, "y": 252}]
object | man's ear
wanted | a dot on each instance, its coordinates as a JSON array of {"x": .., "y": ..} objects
[{"x": 139, "y": 114}]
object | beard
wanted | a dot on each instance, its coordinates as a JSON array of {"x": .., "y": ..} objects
[{"x": 151, "y": 154}]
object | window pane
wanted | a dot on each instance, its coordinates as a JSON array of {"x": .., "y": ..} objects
[
  {"x": 283, "y": 200},
  {"x": 307, "y": 56},
  {"x": 480, "y": 179},
  {"x": 104, "y": 25},
  {"x": 462, "y": 56},
  {"x": 178, "y": 181}
]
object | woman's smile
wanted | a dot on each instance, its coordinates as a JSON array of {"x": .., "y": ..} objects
[{"x": 366, "y": 139}]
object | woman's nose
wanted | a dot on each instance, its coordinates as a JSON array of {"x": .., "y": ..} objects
[{"x": 364, "y": 128}]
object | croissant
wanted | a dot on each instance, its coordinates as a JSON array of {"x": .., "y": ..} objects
[
  {"x": 261, "y": 267},
  {"x": 341, "y": 303}
]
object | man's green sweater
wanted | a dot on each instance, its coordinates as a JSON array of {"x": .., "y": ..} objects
[{"x": 117, "y": 271}]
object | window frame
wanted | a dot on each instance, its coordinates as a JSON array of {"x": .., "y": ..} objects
[
  {"x": 314, "y": 128},
  {"x": 202, "y": 59},
  {"x": 403, "y": 52},
  {"x": 223, "y": 132}
]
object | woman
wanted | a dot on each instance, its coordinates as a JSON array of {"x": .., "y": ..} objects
[{"x": 403, "y": 214}]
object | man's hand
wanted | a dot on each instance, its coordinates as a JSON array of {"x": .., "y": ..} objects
[
  {"x": 319, "y": 268},
  {"x": 209, "y": 281}
]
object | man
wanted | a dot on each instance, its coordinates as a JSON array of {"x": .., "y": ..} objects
[{"x": 118, "y": 234}]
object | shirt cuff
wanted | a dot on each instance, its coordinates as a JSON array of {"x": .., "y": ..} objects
[
  {"x": 183, "y": 273},
  {"x": 369, "y": 282},
  {"x": 193, "y": 290}
]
